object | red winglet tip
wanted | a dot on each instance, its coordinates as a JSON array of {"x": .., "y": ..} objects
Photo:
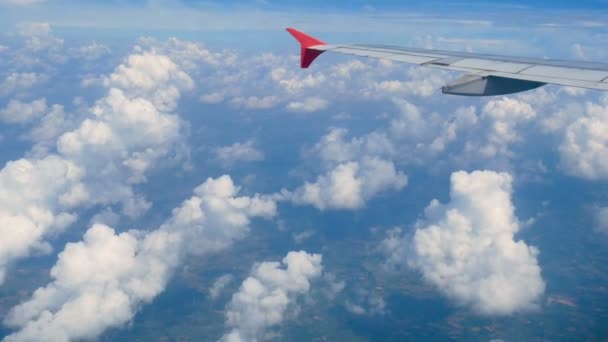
[{"x": 306, "y": 41}]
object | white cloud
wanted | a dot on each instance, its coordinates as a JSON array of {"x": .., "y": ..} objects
[
  {"x": 18, "y": 82},
  {"x": 97, "y": 284},
  {"x": 333, "y": 287},
  {"x": 187, "y": 54},
  {"x": 377, "y": 304},
  {"x": 228, "y": 155},
  {"x": 294, "y": 83},
  {"x": 215, "y": 217},
  {"x": 469, "y": 135},
  {"x": 212, "y": 98},
  {"x": 467, "y": 248},
  {"x": 130, "y": 128},
  {"x": 420, "y": 82},
  {"x": 22, "y": 112},
  {"x": 298, "y": 238},
  {"x": 308, "y": 105},
  {"x": 50, "y": 127},
  {"x": 91, "y": 51},
  {"x": 32, "y": 194},
  {"x": 584, "y": 149},
  {"x": 39, "y": 36},
  {"x": 505, "y": 115},
  {"x": 106, "y": 217},
  {"x": 102, "y": 281},
  {"x": 356, "y": 171},
  {"x": 367, "y": 303},
  {"x": 412, "y": 137},
  {"x": 347, "y": 69},
  {"x": 219, "y": 285},
  {"x": 334, "y": 147},
  {"x": 418, "y": 137},
  {"x": 354, "y": 308},
  {"x": 264, "y": 297},
  {"x": 118, "y": 141},
  {"x": 350, "y": 185},
  {"x": 251, "y": 102}
]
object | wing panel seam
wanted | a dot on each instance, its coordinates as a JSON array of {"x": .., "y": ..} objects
[
  {"x": 389, "y": 52},
  {"x": 526, "y": 68}
]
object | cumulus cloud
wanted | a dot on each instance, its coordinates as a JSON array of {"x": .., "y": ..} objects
[
  {"x": 354, "y": 308},
  {"x": 219, "y": 285},
  {"x": 216, "y": 216},
  {"x": 468, "y": 133},
  {"x": 467, "y": 248},
  {"x": 104, "y": 279},
  {"x": 212, "y": 98},
  {"x": 39, "y": 36},
  {"x": 91, "y": 51},
  {"x": 22, "y": 112},
  {"x": 187, "y": 54},
  {"x": 250, "y": 102},
  {"x": 505, "y": 114},
  {"x": 299, "y": 238},
  {"x": 52, "y": 124},
  {"x": 356, "y": 170},
  {"x": 367, "y": 303},
  {"x": 264, "y": 297},
  {"x": 584, "y": 149},
  {"x": 420, "y": 136},
  {"x": 20, "y": 81},
  {"x": 350, "y": 185},
  {"x": 271, "y": 81},
  {"x": 228, "y": 155},
  {"x": 335, "y": 147},
  {"x": 419, "y": 82},
  {"x": 412, "y": 136},
  {"x": 32, "y": 193},
  {"x": 308, "y": 105},
  {"x": 97, "y": 162},
  {"x": 294, "y": 83},
  {"x": 333, "y": 286},
  {"x": 130, "y": 128},
  {"x": 101, "y": 281}
]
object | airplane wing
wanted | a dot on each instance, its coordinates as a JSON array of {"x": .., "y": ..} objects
[{"x": 486, "y": 75}]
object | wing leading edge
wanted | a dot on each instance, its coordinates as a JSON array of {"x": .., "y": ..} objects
[{"x": 487, "y": 74}]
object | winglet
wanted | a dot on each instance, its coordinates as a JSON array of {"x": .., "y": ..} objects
[{"x": 308, "y": 55}]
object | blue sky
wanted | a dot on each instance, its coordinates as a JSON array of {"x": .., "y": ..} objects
[
  {"x": 168, "y": 170},
  {"x": 194, "y": 15}
]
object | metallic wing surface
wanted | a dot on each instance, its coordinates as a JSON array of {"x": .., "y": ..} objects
[{"x": 486, "y": 74}]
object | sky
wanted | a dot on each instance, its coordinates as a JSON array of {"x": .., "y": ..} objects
[{"x": 167, "y": 170}]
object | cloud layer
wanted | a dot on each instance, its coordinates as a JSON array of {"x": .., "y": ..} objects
[
  {"x": 98, "y": 162},
  {"x": 102, "y": 281}
]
